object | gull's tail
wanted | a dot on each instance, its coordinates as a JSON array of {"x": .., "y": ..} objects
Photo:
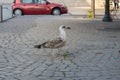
[{"x": 37, "y": 46}]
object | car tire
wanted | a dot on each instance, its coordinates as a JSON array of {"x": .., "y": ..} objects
[
  {"x": 56, "y": 11},
  {"x": 18, "y": 12}
]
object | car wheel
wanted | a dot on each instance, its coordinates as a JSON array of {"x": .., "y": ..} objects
[
  {"x": 18, "y": 12},
  {"x": 56, "y": 11}
]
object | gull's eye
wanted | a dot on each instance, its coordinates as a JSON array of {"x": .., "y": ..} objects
[{"x": 63, "y": 27}]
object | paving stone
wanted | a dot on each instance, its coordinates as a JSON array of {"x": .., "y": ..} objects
[
  {"x": 48, "y": 73},
  {"x": 81, "y": 74},
  {"x": 3, "y": 59},
  {"x": 59, "y": 74},
  {"x": 70, "y": 74}
]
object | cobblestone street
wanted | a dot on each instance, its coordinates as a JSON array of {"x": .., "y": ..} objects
[{"x": 93, "y": 49}]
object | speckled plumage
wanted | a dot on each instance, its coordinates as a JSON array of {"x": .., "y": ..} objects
[{"x": 57, "y": 42}]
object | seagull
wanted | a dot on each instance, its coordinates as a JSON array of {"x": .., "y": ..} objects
[{"x": 56, "y": 43}]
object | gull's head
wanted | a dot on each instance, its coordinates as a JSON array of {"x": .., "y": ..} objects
[
  {"x": 62, "y": 31},
  {"x": 64, "y": 27}
]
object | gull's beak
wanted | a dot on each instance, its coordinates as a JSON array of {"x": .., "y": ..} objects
[{"x": 68, "y": 27}]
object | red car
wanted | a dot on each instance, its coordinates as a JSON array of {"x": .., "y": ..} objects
[{"x": 25, "y": 7}]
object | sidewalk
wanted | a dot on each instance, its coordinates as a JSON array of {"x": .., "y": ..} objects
[{"x": 83, "y": 11}]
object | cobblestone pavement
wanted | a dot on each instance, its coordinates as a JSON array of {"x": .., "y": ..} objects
[{"x": 93, "y": 49}]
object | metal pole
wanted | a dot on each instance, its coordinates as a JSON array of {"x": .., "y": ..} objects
[
  {"x": 0, "y": 12},
  {"x": 107, "y": 17},
  {"x": 93, "y": 8}
]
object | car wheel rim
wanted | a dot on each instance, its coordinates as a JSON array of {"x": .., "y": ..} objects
[
  {"x": 56, "y": 12},
  {"x": 18, "y": 12}
]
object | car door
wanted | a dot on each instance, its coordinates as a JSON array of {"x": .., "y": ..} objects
[
  {"x": 28, "y": 6},
  {"x": 41, "y": 7}
]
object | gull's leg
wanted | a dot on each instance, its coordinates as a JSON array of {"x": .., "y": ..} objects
[
  {"x": 59, "y": 51},
  {"x": 45, "y": 52},
  {"x": 54, "y": 52}
]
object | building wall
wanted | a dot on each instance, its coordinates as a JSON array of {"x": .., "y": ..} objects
[
  {"x": 98, "y": 3},
  {"x": 71, "y": 3},
  {"x": 6, "y": 1}
]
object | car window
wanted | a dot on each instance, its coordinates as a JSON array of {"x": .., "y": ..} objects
[
  {"x": 14, "y": 1},
  {"x": 27, "y": 1},
  {"x": 42, "y": 1},
  {"x": 35, "y": 1}
]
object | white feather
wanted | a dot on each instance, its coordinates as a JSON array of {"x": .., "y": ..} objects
[{"x": 62, "y": 33}]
